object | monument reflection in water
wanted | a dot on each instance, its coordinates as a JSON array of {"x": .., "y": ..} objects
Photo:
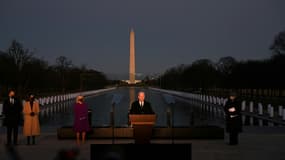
[{"x": 185, "y": 113}]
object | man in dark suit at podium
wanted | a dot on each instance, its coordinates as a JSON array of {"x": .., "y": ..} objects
[
  {"x": 142, "y": 130},
  {"x": 141, "y": 106}
]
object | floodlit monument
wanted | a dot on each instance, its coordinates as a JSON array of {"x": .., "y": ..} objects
[{"x": 132, "y": 78}]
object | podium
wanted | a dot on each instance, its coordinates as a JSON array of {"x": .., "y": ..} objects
[{"x": 142, "y": 124}]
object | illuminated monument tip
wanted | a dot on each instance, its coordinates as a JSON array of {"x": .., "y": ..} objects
[{"x": 132, "y": 66}]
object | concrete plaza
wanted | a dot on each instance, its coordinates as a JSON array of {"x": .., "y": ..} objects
[{"x": 262, "y": 143}]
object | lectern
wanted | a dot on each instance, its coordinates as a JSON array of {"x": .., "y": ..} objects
[{"x": 142, "y": 124}]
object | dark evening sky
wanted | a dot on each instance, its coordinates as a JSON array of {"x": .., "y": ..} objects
[{"x": 95, "y": 33}]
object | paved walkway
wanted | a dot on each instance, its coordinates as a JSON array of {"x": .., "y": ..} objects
[{"x": 262, "y": 143}]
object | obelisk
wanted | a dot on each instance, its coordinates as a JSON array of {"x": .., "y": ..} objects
[{"x": 132, "y": 57}]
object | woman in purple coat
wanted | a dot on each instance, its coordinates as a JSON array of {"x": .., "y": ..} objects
[{"x": 81, "y": 124}]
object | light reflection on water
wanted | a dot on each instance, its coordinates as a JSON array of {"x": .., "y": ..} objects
[{"x": 185, "y": 114}]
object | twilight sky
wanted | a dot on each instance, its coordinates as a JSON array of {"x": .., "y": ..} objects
[{"x": 95, "y": 33}]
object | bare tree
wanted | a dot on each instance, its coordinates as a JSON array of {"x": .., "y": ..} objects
[
  {"x": 20, "y": 55},
  {"x": 225, "y": 65},
  {"x": 278, "y": 45},
  {"x": 62, "y": 65}
]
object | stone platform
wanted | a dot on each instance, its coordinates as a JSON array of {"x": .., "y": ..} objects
[
  {"x": 260, "y": 143},
  {"x": 201, "y": 132}
]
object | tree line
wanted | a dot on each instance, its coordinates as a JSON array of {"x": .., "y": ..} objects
[
  {"x": 22, "y": 71},
  {"x": 227, "y": 72}
]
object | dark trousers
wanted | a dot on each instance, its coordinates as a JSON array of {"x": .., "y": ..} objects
[
  {"x": 12, "y": 130},
  {"x": 233, "y": 138},
  {"x": 33, "y": 139}
]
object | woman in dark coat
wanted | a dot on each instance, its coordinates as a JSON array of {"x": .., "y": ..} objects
[{"x": 233, "y": 118}]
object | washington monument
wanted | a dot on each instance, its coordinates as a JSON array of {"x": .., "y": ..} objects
[{"x": 132, "y": 58}]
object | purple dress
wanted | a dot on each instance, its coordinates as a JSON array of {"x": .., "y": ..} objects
[{"x": 81, "y": 123}]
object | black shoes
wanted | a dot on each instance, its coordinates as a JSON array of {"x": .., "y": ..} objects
[{"x": 33, "y": 140}]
